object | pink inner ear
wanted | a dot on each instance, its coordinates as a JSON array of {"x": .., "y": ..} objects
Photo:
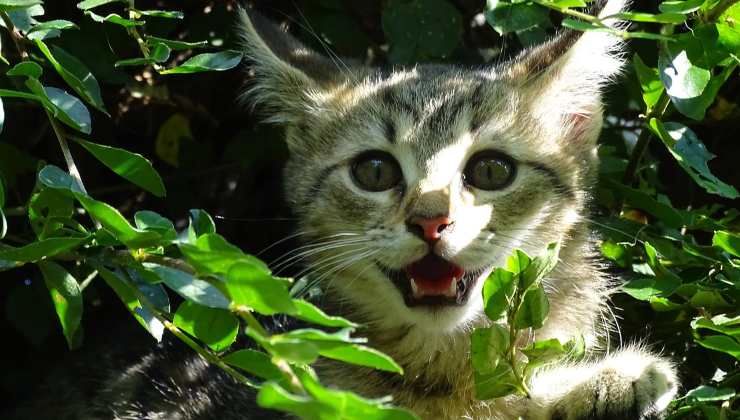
[{"x": 579, "y": 125}]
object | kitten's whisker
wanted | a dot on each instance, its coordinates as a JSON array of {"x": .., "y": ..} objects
[{"x": 301, "y": 250}]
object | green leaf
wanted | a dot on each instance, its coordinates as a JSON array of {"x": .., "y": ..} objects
[
  {"x": 159, "y": 54},
  {"x": 251, "y": 286},
  {"x": 498, "y": 291},
  {"x": 308, "y": 312},
  {"x": 421, "y": 29},
  {"x": 224, "y": 60},
  {"x": 705, "y": 393},
  {"x": 131, "y": 166},
  {"x": 638, "y": 199},
  {"x": 544, "y": 352},
  {"x": 692, "y": 155},
  {"x": 76, "y": 74},
  {"x": 117, "y": 225},
  {"x": 8, "y": 5},
  {"x": 67, "y": 298},
  {"x": 680, "y": 6},
  {"x": 540, "y": 267},
  {"x": 115, "y": 19},
  {"x": 53, "y": 177},
  {"x": 217, "y": 328},
  {"x": 65, "y": 107},
  {"x": 26, "y": 68},
  {"x": 175, "y": 45},
  {"x": 518, "y": 261},
  {"x": 534, "y": 309},
  {"x": 649, "y": 17},
  {"x": 39, "y": 250},
  {"x": 645, "y": 288},
  {"x": 49, "y": 29},
  {"x": 167, "y": 14},
  {"x": 360, "y": 355},
  {"x": 496, "y": 384},
  {"x": 728, "y": 241},
  {"x": 681, "y": 78},
  {"x": 149, "y": 220},
  {"x": 200, "y": 224},
  {"x": 488, "y": 347},
  {"x": 580, "y": 25},
  {"x": 721, "y": 343},
  {"x": 255, "y": 362},
  {"x": 212, "y": 254},
  {"x": 507, "y": 17},
  {"x": 125, "y": 292},
  {"x": 649, "y": 80},
  {"x": 89, "y": 4},
  {"x": 189, "y": 287}
]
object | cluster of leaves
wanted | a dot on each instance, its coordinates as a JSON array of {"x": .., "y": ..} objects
[
  {"x": 221, "y": 286},
  {"x": 514, "y": 299}
]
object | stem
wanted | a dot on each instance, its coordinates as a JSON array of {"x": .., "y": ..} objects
[
  {"x": 570, "y": 12},
  {"x": 62, "y": 138},
  {"x": 643, "y": 140},
  {"x": 88, "y": 280},
  {"x": 14, "y": 35},
  {"x": 205, "y": 353},
  {"x": 513, "y": 340},
  {"x": 714, "y": 14},
  {"x": 133, "y": 14},
  {"x": 282, "y": 365}
]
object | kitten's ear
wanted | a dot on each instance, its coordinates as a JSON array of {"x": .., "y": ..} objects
[
  {"x": 563, "y": 78},
  {"x": 289, "y": 77}
]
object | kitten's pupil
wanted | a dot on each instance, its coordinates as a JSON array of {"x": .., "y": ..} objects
[
  {"x": 376, "y": 171},
  {"x": 489, "y": 171}
]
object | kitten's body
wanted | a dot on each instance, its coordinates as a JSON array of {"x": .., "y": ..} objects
[{"x": 543, "y": 111}]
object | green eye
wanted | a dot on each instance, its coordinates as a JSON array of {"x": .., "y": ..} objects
[
  {"x": 376, "y": 171},
  {"x": 489, "y": 171}
]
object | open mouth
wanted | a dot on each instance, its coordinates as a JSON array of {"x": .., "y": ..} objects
[{"x": 433, "y": 281}]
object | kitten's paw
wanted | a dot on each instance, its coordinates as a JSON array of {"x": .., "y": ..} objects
[{"x": 630, "y": 385}]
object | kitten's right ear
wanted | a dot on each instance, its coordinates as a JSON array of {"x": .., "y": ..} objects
[{"x": 289, "y": 77}]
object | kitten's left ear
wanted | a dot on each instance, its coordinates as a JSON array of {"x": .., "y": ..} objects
[
  {"x": 562, "y": 79},
  {"x": 289, "y": 77}
]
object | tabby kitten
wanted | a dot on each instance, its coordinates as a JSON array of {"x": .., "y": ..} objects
[{"x": 412, "y": 183}]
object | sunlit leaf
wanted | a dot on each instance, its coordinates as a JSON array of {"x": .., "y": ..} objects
[
  {"x": 217, "y": 328},
  {"x": 67, "y": 299},
  {"x": 131, "y": 166},
  {"x": 224, "y": 60}
]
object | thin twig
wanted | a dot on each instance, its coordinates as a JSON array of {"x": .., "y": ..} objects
[
  {"x": 14, "y": 35},
  {"x": 714, "y": 13}
]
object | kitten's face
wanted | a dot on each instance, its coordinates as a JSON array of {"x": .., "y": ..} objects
[
  {"x": 411, "y": 185},
  {"x": 414, "y": 186}
]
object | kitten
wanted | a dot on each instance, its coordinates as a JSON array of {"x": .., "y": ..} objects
[{"x": 412, "y": 183}]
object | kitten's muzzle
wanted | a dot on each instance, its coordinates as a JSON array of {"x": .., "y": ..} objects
[{"x": 432, "y": 281}]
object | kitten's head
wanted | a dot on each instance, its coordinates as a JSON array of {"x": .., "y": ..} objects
[{"x": 412, "y": 183}]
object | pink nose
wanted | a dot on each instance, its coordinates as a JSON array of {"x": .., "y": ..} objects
[{"x": 429, "y": 229}]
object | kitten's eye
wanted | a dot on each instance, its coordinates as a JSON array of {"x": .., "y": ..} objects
[
  {"x": 376, "y": 171},
  {"x": 489, "y": 170}
]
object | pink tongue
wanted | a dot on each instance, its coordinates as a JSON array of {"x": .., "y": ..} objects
[{"x": 433, "y": 275}]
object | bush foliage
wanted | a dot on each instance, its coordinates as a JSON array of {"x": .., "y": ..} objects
[{"x": 117, "y": 113}]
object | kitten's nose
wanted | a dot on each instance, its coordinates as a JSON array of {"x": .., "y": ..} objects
[{"x": 428, "y": 229}]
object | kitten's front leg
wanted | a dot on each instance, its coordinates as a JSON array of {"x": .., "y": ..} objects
[{"x": 630, "y": 384}]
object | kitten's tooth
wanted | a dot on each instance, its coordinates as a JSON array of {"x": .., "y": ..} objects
[
  {"x": 414, "y": 288},
  {"x": 452, "y": 291}
]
